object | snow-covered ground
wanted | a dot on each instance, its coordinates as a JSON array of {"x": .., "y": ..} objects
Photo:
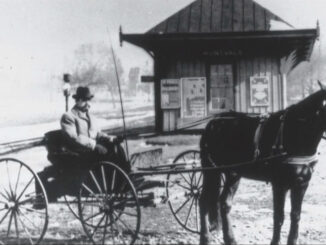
[
  {"x": 252, "y": 212},
  {"x": 34, "y": 119}
]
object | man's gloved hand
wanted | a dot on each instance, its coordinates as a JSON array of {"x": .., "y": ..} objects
[
  {"x": 100, "y": 149},
  {"x": 111, "y": 139}
]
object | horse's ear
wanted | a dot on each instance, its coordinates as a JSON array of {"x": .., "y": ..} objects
[{"x": 322, "y": 86}]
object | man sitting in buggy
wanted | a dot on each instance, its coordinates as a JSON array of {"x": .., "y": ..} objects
[
  {"x": 84, "y": 137},
  {"x": 80, "y": 143}
]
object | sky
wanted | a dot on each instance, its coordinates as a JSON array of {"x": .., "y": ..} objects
[{"x": 38, "y": 37}]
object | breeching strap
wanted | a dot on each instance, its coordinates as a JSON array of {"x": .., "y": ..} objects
[
  {"x": 278, "y": 144},
  {"x": 257, "y": 136}
]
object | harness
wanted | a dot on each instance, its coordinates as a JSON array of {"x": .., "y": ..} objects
[{"x": 278, "y": 146}]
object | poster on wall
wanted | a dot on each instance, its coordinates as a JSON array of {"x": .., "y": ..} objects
[
  {"x": 259, "y": 91},
  {"x": 170, "y": 94},
  {"x": 194, "y": 102}
]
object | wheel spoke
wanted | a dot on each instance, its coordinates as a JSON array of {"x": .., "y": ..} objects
[
  {"x": 185, "y": 179},
  {"x": 196, "y": 207},
  {"x": 10, "y": 186},
  {"x": 30, "y": 199},
  {"x": 185, "y": 187},
  {"x": 90, "y": 191},
  {"x": 26, "y": 231},
  {"x": 104, "y": 181},
  {"x": 105, "y": 225},
  {"x": 9, "y": 224},
  {"x": 199, "y": 179},
  {"x": 4, "y": 216},
  {"x": 182, "y": 205},
  {"x": 95, "y": 181},
  {"x": 23, "y": 191},
  {"x": 111, "y": 227},
  {"x": 93, "y": 216},
  {"x": 124, "y": 224},
  {"x": 31, "y": 222},
  {"x": 32, "y": 210},
  {"x": 3, "y": 195},
  {"x": 113, "y": 179},
  {"x": 8, "y": 194},
  {"x": 121, "y": 236},
  {"x": 16, "y": 225},
  {"x": 18, "y": 177},
  {"x": 192, "y": 203},
  {"x": 97, "y": 226},
  {"x": 194, "y": 179}
]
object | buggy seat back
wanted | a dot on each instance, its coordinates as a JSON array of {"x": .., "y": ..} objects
[{"x": 56, "y": 143}]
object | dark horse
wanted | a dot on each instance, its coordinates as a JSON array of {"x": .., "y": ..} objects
[{"x": 237, "y": 138}]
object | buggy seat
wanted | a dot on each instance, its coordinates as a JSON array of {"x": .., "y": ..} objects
[{"x": 56, "y": 143}]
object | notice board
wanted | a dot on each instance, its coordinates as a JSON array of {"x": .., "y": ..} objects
[
  {"x": 259, "y": 91},
  {"x": 170, "y": 94},
  {"x": 193, "y": 97}
]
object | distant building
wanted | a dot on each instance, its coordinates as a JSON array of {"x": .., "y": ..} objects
[{"x": 219, "y": 55}]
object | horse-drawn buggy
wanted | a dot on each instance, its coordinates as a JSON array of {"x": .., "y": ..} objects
[
  {"x": 105, "y": 197},
  {"x": 280, "y": 149}
]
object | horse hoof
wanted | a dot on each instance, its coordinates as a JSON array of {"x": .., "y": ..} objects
[
  {"x": 231, "y": 242},
  {"x": 204, "y": 240}
]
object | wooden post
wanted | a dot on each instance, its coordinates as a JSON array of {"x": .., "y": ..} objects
[
  {"x": 157, "y": 94},
  {"x": 284, "y": 90}
]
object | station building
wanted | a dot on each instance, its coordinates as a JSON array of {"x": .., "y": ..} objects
[{"x": 214, "y": 56}]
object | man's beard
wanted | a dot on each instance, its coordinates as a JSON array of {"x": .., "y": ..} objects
[{"x": 84, "y": 108}]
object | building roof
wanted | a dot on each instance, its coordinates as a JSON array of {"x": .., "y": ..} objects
[
  {"x": 214, "y": 16},
  {"x": 227, "y": 24}
]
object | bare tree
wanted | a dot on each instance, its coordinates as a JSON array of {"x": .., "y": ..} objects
[
  {"x": 95, "y": 68},
  {"x": 303, "y": 79}
]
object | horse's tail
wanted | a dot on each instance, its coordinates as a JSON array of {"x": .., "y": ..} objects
[{"x": 209, "y": 200}]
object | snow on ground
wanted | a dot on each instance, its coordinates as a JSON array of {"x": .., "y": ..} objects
[
  {"x": 252, "y": 212},
  {"x": 42, "y": 121}
]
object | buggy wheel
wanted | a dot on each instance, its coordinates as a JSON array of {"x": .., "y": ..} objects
[
  {"x": 108, "y": 205},
  {"x": 23, "y": 212},
  {"x": 183, "y": 191},
  {"x": 72, "y": 203}
]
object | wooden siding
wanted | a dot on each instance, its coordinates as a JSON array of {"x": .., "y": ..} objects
[
  {"x": 263, "y": 66},
  {"x": 244, "y": 68},
  {"x": 174, "y": 68},
  {"x": 218, "y": 16}
]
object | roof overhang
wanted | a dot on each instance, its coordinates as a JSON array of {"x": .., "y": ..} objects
[{"x": 283, "y": 42}]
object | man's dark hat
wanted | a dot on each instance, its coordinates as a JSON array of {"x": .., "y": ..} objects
[{"x": 83, "y": 93}]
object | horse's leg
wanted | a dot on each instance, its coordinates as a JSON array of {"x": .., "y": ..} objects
[
  {"x": 208, "y": 204},
  {"x": 230, "y": 187},
  {"x": 297, "y": 194},
  {"x": 279, "y": 193}
]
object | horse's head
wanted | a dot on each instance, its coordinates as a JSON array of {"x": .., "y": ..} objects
[{"x": 305, "y": 123}]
